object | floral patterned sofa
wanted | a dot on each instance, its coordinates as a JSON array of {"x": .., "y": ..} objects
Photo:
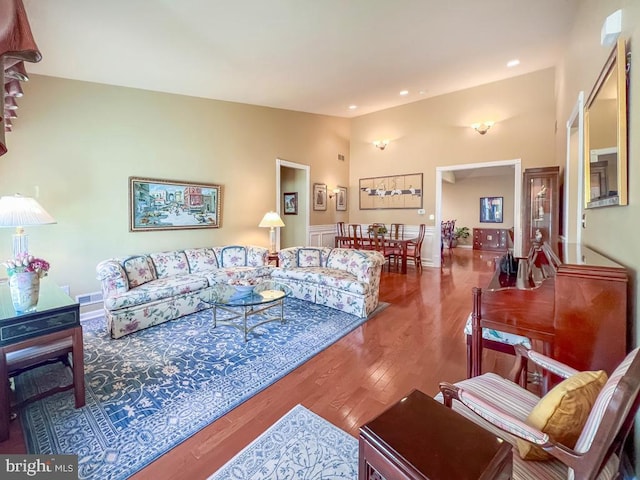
[
  {"x": 140, "y": 291},
  {"x": 341, "y": 278}
]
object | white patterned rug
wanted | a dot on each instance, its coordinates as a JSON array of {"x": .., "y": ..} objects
[
  {"x": 151, "y": 390},
  {"x": 301, "y": 445}
]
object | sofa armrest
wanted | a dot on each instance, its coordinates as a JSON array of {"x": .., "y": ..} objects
[
  {"x": 364, "y": 264},
  {"x": 113, "y": 278}
]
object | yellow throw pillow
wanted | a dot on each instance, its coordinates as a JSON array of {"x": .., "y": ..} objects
[{"x": 563, "y": 411}]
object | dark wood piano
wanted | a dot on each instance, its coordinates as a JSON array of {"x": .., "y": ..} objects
[{"x": 571, "y": 298}]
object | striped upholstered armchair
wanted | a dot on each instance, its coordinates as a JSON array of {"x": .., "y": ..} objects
[{"x": 576, "y": 431}]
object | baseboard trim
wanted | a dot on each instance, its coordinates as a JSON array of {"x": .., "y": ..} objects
[{"x": 85, "y": 317}]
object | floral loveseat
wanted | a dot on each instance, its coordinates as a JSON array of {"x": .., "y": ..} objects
[
  {"x": 145, "y": 290},
  {"x": 341, "y": 278}
]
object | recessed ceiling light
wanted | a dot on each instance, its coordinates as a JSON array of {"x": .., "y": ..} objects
[
  {"x": 513, "y": 63},
  {"x": 352, "y": 107},
  {"x": 404, "y": 92},
  {"x": 422, "y": 92}
]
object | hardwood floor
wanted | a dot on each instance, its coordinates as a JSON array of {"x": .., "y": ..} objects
[{"x": 415, "y": 343}]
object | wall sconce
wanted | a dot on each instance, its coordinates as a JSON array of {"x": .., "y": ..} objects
[
  {"x": 334, "y": 192},
  {"x": 381, "y": 144},
  {"x": 483, "y": 127}
]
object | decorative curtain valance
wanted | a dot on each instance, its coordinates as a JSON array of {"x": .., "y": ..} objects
[{"x": 16, "y": 46}]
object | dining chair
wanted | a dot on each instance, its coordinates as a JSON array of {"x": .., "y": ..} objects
[
  {"x": 447, "y": 236},
  {"x": 355, "y": 236},
  {"x": 576, "y": 431},
  {"x": 382, "y": 245},
  {"x": 414, "y": 249},
  {"x": 341, "y": 231},
  {"x": 397, "y": 230}
]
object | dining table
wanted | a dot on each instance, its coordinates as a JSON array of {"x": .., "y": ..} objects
[{"x": 401, "y": 241}]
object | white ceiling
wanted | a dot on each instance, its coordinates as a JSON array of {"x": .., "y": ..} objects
[{"x": 317, "y": 56}]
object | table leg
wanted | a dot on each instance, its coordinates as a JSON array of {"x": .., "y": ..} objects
[
  {"x": 404, "y": 257},
  {"x": 78, "y": 367},
  {"x": 244, "y": 321},
  {"x": 5, "y": 402},
  {"x": 476, "y": 333}
]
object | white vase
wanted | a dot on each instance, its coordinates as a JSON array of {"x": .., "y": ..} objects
[{"x": 25, "y": 289}]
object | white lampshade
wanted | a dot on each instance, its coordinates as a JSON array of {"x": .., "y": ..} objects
[
  {"x": 18, "y": 211},
  {"x": 271, "y": 220}
]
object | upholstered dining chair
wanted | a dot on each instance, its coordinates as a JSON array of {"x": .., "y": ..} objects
[
  {"x": 498, "y": 341},
  {"x": 447, "y": 229},
  {"x": 576, "y": 431},
  {"x": 382, "y": 245}
]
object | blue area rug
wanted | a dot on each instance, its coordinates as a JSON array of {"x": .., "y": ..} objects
[
  {"x": 150, "y": 390},
  {"x": 299, "y": 445}
]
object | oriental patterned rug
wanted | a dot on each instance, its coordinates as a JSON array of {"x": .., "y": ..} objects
[
  {"x": 299, "y": 445},
  {"x": 150, "y": 390}
]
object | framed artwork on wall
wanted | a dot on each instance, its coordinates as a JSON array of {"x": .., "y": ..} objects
[
  {"x": 156, "y": 204},
  {"x": 341, "y": 199},
  {"x": 491, "y": 209},
  {"x": 391, "y": 192},
  {"x": 319, "y": 196},
  {"x": 290, "y": 200}
]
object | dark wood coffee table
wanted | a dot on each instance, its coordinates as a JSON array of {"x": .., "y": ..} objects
[{"x": 419, "y": 438}]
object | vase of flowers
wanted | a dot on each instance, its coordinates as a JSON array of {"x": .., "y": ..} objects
[{"x": 25, "y": 272}]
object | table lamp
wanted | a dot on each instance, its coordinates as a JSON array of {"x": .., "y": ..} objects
[
  {"x": 272, "y": 220},
  {"x": 18, "y": 211}
]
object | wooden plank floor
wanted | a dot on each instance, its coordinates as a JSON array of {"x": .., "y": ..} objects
[{"x": 413, "y": 344}]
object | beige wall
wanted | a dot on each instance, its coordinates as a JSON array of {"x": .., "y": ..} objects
[
  {"x": 461, "y": 201},
  {"x": 78, "y": 143},
  {"x": 436, "y": 132},
  {"x": 611, "y": 230}
]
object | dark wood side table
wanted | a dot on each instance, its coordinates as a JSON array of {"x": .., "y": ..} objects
[
  {"x": 419, "y": 438},
  {"x": 273, "y": 258},
  {"x": 55, "y": 317}
]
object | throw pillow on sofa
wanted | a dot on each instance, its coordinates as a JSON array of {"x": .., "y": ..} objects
[
  {"x": 309, "y": 257},
  {"x": 170, "y": 263},
  {"x": 139, "y": 270}
]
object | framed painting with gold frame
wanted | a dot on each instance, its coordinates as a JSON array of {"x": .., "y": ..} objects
[{"x": 156, "y": 204}]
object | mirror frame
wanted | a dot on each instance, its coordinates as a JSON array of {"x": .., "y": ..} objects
[{"x": 617, "y": 62}]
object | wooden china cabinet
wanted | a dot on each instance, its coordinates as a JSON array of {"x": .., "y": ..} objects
[{"x": 541, "y": 206}]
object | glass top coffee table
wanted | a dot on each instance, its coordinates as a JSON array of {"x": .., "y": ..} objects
[{"x": 251, "y": 301}]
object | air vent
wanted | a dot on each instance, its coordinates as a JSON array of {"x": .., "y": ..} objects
[{"x": 89, "y": 298}]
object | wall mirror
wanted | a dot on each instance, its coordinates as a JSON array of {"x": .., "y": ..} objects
[{"x": 605, "y": 118}]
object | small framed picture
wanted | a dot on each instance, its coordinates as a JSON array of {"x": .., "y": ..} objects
[
  {"x": 290, "y": 200},
  {"x": 319, "y": 196},
  {"x": 341, "y": 199},
  {"x": 491, "y": 209}
]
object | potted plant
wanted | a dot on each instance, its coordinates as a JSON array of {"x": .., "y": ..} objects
[{"x": 460, "y": 232}]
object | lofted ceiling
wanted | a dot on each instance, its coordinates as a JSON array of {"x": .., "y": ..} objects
[{"x": 317, "y": 56}]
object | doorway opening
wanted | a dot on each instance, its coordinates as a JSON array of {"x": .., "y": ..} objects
[
  {"x": 443, "y": 172},
  {"x": 292, "y": 177}
]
